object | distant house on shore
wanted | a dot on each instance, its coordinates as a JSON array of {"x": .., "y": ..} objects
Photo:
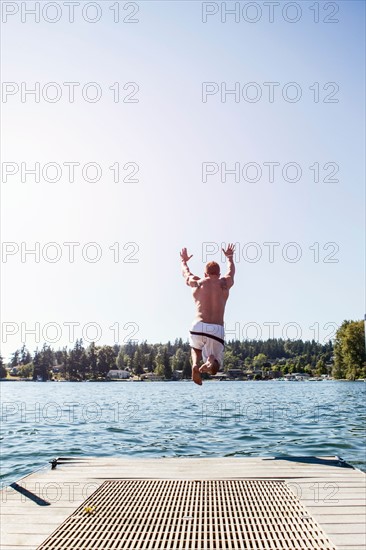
[
  {"x": 297, "y": 376},
  {"x": 250, "y": 374},
  {"x": 274, "y": 374},
  {"x": 119, "y": 374},
  {"x": 220, "y": 376},
  {"x": 236, "y": 374},
  {"x": 151, "y": 376}
]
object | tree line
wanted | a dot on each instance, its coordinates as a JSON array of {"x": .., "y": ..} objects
[{"x": 343, "y": 358}]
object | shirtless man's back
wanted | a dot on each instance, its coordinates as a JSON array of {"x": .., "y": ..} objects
[{"x": 210, "y": 294}]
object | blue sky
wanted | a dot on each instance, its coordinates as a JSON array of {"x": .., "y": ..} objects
[{"x": 169, "y": 133}]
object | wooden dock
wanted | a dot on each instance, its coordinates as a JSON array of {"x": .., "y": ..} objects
[{"x": 333, "y": 493}]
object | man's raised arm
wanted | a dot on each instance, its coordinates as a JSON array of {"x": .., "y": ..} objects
[
  {"x": 191, "y": 280},
  {"x": 229, "y": 253}
]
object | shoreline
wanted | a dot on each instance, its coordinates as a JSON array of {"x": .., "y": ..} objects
[{"x": 185, "y": 380}]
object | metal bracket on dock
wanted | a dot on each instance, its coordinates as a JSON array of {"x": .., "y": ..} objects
[
  {"x": 63, "y": 460},
  {"x": 53, "y": 463}
]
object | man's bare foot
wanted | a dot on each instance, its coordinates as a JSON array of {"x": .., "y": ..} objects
[
  {"x": 214, "y": 369},
  {"x": 205, "y": 367},
  {"x": 196, "y": 375},
  {"x": 211, "y": 366}
]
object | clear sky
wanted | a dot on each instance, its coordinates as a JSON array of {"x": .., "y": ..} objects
[{"x": 173, "y": 132}]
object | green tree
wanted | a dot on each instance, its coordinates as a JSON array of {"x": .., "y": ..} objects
[
  {"x": 25, "y": 356},
  {"x": 291, "y": 367},
  {"x": 159, "y": 363},
  {"x": 320, "y": 368},
  {"x": 59, "y": 356},
  {"x": 14, "y": 361},
  {"x": 167, "y": 366},
  {"x": 300, "y": 364},
  {"x": 339, "y": 368},
  {"x": 120, "y": 361},
  {"x": 248, "y": 362},
  {"x": 187, "y": 368},
  {"x": 78, "y": 363},
  {"x": 349, "y": 350},
  {"x": 308, "y": 369},
  {"x": 259, "y": 360},
  {"x": 3, "y": 371},
  {"x": 26, "y": 371},
  {"x": 178, "y": 360},
  {"x": 92, "y": 358},
  {"x": 150, "y": 361},
  {"x": 230, "y": 360},
  {"x": 106, "y": 360},
  {"x": 36, "y": 364},
  {"x": 163, "y": 367},
  {"x": 137, "y": 363},
  {"x": 354, "y": 349},
  {"x": 63, "y": 360},
  {"x": 42, "y": 363}
]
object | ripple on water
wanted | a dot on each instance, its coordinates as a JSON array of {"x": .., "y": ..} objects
[{"x": 176, "y": 419}]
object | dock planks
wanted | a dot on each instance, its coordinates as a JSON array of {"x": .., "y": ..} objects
[{"x": 334, "y": 495}]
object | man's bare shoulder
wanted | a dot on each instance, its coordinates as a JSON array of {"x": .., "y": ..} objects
[
  {"x": 194, "y": 282},
  {"x": 226, "y": 282}
]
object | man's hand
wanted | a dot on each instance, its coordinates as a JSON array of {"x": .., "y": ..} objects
[
  {"x": 191, "y": 279},
  {"x": 229, "y": 252},
  {"x": 184, "y": 255},
  {"x": 229, "y": 277}
]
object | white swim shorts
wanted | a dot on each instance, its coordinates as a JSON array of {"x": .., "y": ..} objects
[{"x": 209, "y": 338}]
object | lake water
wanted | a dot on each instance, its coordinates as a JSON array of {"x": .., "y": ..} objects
[{"x": 41, "y": 421}]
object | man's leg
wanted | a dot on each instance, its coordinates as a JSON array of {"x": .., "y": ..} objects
[{"x": 196, "y": 355}]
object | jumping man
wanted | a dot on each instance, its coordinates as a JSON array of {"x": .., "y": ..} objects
[{"x": 210, "y": 294}]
